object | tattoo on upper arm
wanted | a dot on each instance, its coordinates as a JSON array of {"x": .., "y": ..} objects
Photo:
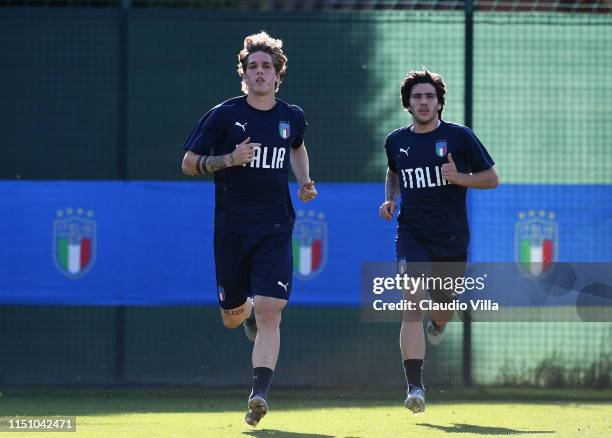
[
  {"x": 233, "y": 311},
  {"x": 391, "y": 186}
]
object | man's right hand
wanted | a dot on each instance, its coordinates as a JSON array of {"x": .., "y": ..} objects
[
  {"x": 387, "y": 209},
  {"x": 244, "y": 152}
]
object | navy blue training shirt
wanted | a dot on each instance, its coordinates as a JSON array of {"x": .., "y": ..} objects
[
  {"x": 430, "y": 204},
  {"x": 251, "y": 199}
]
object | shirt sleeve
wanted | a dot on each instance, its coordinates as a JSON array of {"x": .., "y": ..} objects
[
  {"x": 476, "y": 154},
  {"x": 390, "y": 158},
  {"x": 206, "y": 134},
  {"x": 300, "y": 126}
]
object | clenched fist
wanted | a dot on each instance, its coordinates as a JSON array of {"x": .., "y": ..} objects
[
  {"x": 244, "y": 152},
  {"x": 387, "y": 209},
  {"x": 307, "y": 192}
]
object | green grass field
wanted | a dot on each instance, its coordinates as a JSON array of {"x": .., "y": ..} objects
[{"x": 312, "y": 414}]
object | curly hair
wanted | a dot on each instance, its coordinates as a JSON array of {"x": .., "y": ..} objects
[
  {"x": 262, "y": 42},
  {"x": 423, "y": 77}
]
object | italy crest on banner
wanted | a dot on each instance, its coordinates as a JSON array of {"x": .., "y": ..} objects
[
  {"x": 309, "y": 245},
  {"x": 74, "y": 242},
  {"x": 536, "y": 242}
]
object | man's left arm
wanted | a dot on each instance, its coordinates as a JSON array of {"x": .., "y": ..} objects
[
  {"x": 301, "y": 169},
  {"x": 486, "y": 179}
]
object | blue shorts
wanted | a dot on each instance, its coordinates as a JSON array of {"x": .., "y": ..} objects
[
  {"x": 248, "y": 265},
  {"x": 443, "y": 255}
]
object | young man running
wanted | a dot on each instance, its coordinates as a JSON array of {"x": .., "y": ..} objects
[
  {"x": 431, "y": 163},
  {"x": 247, "y": 143}
]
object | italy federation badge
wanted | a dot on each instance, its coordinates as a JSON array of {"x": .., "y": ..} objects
[
  {"x": 441, "y": 148},
  {"x": 535, "y": 242},
  {"x": 309, "y": 245},
  {"x": 284, "y": 129},
  {"x": 74, "y": 242}
]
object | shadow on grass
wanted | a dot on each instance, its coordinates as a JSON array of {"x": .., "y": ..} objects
[
  {"x": 78, "y": 402},
  {"x": 480, "y": 430},
  {"x": 282, "y": 434}
]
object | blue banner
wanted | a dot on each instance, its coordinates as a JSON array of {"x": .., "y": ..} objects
[{"x": 150, "y": 243}]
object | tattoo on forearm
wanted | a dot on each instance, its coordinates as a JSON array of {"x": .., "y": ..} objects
[
  {"x": 215, "y": 163},
  {"x": 391, "y": 187},
  {"x": 233, "y": 311}
]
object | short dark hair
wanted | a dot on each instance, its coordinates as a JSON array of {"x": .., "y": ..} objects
[{"x": 424, "y": 76}]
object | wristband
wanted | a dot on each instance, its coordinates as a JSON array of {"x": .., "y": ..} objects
[{"x": 201, "y": 169}]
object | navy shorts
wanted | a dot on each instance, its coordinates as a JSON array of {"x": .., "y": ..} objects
[
  {"x": 442, "y": 255},
  {"x": 248, "y": 265}
]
